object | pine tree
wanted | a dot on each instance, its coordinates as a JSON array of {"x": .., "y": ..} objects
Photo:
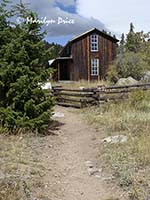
[
  {"x": 134, "y": 40},
  {"x": 122, "y": 41},
  {"x": 131, "y": 28},
  {"x": 54, "y": 49},
  {"x": 23, "y": 65},
  {"x": 121, "y": 47},
  {"x": 130, "y": 43}
]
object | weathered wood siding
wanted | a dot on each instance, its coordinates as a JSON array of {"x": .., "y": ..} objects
[
  {"x": 82, "y": 55},
  {"x": 80, "y": 62}
]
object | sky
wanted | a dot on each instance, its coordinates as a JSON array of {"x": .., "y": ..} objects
[{"x": 64, "y": 19}]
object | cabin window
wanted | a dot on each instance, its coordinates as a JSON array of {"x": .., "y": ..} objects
[
  {"x": 94, "y": 66},
  {"x": 94, "y": 42}
]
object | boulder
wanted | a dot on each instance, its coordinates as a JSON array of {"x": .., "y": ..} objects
[
  {"x": 146, "y": 77},
  {"x": 126, "y": 81}
]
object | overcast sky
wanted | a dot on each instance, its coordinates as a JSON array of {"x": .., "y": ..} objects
[
  {"x": 117, "y": 14},
  {"x": 111, "y": 15}
]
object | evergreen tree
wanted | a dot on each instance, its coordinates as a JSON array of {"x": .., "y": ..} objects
[
  {"x": 133, "y": 56},
  {"x": 134, "y": 40},
  {"x": 145, "y": 52},
  {"x": 130, "y": 44},
  {"x": 54, "y": 49},
  {"x": 131, "y": 28},
  {"x": 122, "y": 41},
  {"x": 23, "y": 65},
  {"x": 121, "y": 47}
]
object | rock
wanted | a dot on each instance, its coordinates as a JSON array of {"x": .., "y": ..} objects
[
  {"x": 115, "y": 139},
  {"x": 98, "y": 176},
  {"x": 21, "y": 138},
  {"x": 146, "y": 77},
  {"x": 93, "y": 171},
  {"x": 89, "y": 164},
  {"x": 126, "y": 81},
  {"x": 58, "y": 115}
]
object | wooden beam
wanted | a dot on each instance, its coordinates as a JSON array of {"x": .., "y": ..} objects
[
  {"x": 99, "y": 70},
  {"x": 58, "y": 70},
  {"x": 72, "y": 94},
  {"x": 88, "y": 58},
  {"x": 74, "y": 90},
  {"x": 68, "y": 105}
]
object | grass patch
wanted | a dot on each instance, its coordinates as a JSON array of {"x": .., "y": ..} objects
[
  {"x": 81, "y": 83},
  {"x": 21, "y": 167},
  {"x": 130, "y": 161}
]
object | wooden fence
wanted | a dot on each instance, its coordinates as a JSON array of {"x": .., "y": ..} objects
[{"x": 80, "y": 98}]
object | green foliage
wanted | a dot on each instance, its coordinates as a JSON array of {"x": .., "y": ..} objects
[
  {"x": 134, "y": 40},
  {"x": 145, "y": 51},
  {"x": 53, "y": 48},
  {"x": 23, "y": 65},
  {"x": 113, "y": 74},
  {"x": 133, "y": 57},
  {"x": 121, "y": 47},
  {"x": 129, "y": 64}
]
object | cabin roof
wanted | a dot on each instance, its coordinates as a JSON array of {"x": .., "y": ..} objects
[
  {"x": 93, "y": 30},
  {"x": 59, "y": 58},
  {"x": 64, "y": 58}
]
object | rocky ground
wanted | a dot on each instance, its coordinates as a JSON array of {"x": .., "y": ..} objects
[{"x": 71, "y": 155}]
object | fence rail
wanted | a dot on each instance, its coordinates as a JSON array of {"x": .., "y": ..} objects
[{"x": 80, "y": 98}]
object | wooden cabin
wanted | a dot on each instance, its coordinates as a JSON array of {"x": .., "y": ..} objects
[{"x": 86, "y": 57}]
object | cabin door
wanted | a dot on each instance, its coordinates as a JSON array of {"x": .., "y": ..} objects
[{"x": 64, "y": 70}]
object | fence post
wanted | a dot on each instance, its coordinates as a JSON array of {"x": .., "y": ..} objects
[{"x": 101, "y": 90}]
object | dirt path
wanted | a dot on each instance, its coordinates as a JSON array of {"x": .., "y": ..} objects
[{"x": 71, "y": 160}]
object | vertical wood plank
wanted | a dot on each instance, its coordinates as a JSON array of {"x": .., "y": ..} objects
[
  {"x": 88, "y": 58},
  {"x": 58, "y": 70}
]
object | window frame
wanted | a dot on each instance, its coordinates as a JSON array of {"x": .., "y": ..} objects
[
  {"x": 94, "y": 43},
  {"x": 95, "y": 66}
]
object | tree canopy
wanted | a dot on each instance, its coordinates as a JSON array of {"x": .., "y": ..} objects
[
  {"x": 133, "y": 56},
  {"x": 23, "y": 65}
]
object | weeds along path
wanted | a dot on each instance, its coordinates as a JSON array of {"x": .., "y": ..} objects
[{"x": 71, "y": 157}]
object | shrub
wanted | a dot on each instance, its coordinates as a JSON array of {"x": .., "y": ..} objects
[
  {"x": 113, "y": 75},
  {"x": 129, "y": 64},
  {"x": 23, "y": 65}
]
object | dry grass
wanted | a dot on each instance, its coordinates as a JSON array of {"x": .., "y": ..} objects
[
  {"x": 20, "y": 167},
  {"x": 78, "y": 84},
  {"x": 130, "y": 161}
]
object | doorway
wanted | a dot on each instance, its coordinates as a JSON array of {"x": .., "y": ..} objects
[{"x": 64, "y": 70}]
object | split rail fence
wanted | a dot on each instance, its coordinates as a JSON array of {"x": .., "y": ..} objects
[{"x": 80, "y": 98}]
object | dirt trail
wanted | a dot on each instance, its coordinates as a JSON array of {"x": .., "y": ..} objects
[{"x": 66, "y": 157}]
